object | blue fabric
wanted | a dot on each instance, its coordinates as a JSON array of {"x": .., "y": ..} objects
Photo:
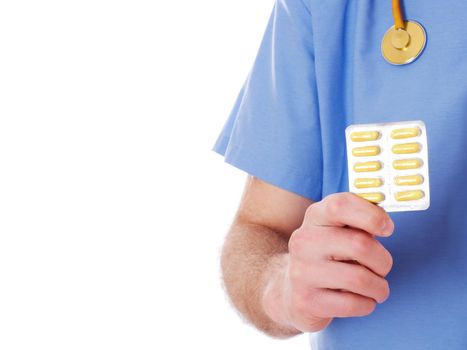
[{"x": 319, "y": 69}]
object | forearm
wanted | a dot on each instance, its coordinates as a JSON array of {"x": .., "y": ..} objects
[{"x": 253, "y": 265}]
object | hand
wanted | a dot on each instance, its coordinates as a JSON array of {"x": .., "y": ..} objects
[{"x": 335, "y": 267}]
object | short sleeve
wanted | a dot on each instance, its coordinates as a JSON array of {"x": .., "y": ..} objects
[{"x": 273, "y": 131}]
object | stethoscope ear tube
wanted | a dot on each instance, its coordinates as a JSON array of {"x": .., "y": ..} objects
[{"x": 397, "y": 14}]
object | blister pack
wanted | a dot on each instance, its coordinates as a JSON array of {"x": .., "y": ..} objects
[{"x": 388, "y": 164}]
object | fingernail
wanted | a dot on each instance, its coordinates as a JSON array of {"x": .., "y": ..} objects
[{"x": 387, "y": 228}]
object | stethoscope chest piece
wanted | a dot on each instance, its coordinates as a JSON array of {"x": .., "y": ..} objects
[{"x": 403, "y": 45}]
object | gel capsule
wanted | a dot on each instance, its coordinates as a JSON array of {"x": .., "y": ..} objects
[
  {"x": 360, "y": 136},
  {"x": 409, "y": 195},
  {"x": 408, "y": 180},
  {"x": 375, "y": 197},
  {"x": 405, "y": 133},
  {"x": 366, "y": 151},
  {"x": 368, "y": 182},
  {"x": 367, "y": 166},
  {"x": 412, "y": 163},
  {"x": 404, "y": 148}
]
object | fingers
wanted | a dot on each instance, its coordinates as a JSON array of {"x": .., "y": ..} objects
[
  {"x": 320, "y": 284},
  {"x": 316, "y": 256},
  {"x": 349, "y": 277},
  {"x": 330, "y": 303},
  {"x": 351, "y": 244},
  {"x": 310, "y": 246},
  {"x": 348, "y": 209}
]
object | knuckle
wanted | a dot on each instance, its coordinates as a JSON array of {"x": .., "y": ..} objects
[
  {"x": 361, "y": 244},
  {"x": 293, "y": 243},
  {"x": 361, "y": 278},
  {"x": 310, "y": 211},
  {"x": 335, "y": 204},
  {"x": 304, "y": 239},
  {"x": 376, "y": 220},
  {"x": 359, "y": 307},
  {"x": 370, "y": 306},
  {"x": 296, "y": 241},
  {"x": 351, "y": 307}
]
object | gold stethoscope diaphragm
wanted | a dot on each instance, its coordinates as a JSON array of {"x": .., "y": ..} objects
[{"x": 404, "y": 41}]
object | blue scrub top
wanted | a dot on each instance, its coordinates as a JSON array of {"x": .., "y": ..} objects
[{"x": 319, "y": 69}]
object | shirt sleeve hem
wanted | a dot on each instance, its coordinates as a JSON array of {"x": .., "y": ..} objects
[{"x": 288, "y": 179}]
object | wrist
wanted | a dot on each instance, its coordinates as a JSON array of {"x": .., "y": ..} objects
[{"x": 274, "y": 302}]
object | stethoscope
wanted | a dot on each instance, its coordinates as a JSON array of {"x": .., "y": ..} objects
[{"x": 404, "y": 41}]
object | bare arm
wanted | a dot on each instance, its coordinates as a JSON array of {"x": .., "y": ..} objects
[
  {"x": 285, "y": 260},
  {"x": 255, "y": 248}
]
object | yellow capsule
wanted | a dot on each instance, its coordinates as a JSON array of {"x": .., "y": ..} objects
[
  {"x": 375, "y": 197},
  {"x": 409, "y": 180},
  {"x": 366, "y": 151},
  {"x": 409, "y": 195},
  {"x": 368, "y": 182},
  {"x": 367, "y": 166},
  {"x": 411, "y": 163},
  {"x": 405, "y": 133},
  {"x": 404, "y": 148},
  {"x": 360, "y": 136}
]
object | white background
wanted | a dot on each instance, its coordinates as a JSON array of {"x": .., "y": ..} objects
[{"x": 113, "y": 207}]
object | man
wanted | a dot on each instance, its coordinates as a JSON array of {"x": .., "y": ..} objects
[{"x": 303, "y": 254}]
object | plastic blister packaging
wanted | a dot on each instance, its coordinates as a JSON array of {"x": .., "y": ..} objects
[{"x": 388, "y": 164}]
